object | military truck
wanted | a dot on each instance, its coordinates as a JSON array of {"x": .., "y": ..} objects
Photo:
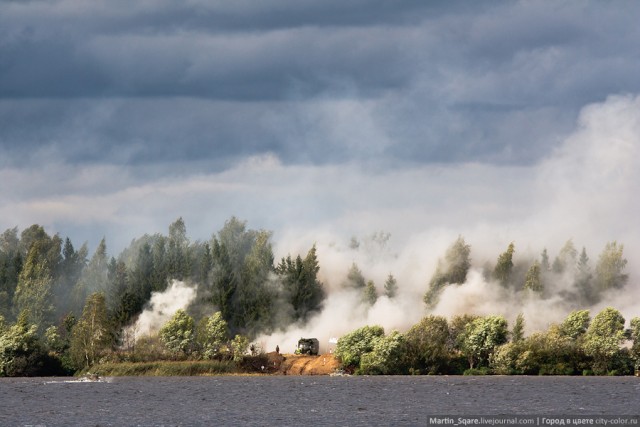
[{"x": 309, "y": 346}]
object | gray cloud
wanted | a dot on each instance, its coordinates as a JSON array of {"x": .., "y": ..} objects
[
  {"x": 116, "y": 100},
  {"x": 207, "y": 82}
]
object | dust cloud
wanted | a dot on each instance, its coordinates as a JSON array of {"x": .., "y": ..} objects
[{"x": 584, "y": 191}]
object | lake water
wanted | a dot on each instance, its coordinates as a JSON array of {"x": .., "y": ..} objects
[{"x": 308, "y": 400}]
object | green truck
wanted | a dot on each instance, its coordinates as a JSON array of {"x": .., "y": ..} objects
[{"x": 309, "y": 346}]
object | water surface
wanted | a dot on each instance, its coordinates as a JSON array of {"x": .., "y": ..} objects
[{"x": 305, "y": 400}]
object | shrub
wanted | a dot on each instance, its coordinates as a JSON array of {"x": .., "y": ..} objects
[{"x": 352, "y": 346}]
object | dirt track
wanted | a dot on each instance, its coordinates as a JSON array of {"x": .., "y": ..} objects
[{"x": 291, "y": 364}]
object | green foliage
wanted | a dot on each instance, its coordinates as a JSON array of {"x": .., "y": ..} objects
[
  {"x": 17, "y": 342},
  {"x": 224, "y": 281},
  {"x": 476, "y": 371},
  {"x": 11, "y": 261},
  {"x": 453, "y": 269},
  {"x": 370, "y": 294},
  {"x": 302, "y": 288},
  {"x": 504, "y": 266},
  {"x": 517, "y": 333},
  {"x": 436, "y": 285},
  {"x": 239, "y": 346},
  {"x": 458, "y": 261},
  {"x": 118, "y": 286},
  {"x": 481, "y": 337},
  {"x": 243, "y": 283},
  {"x": 429, "y": 345},
  {"x": 603, "y": 339},
  {"x": 9, "y": 241},
  {"x": 22, "y": 353},
  {"x": 91, "y": 336},
  {"x": 58, "y": 341},
  {"x": 457, "y": 328},
  {"x": 566, "y": 259},
  {"x": 583, "y": 280},
  {"x": 178, "y": 333},
  {"x": 391, "y": 287},
  {"x": 94, "y": 277},
  {"x": 236, "y": 276},
  {"x": 355, "y": 279},
  {"x": 533, "y": 279},
  {"x": 177, "y": 262},
  {"x": 140, "y": 280},
  {"x": 256, "y": 293},
  {"x": 610, "y": 268},
  {"x": 387, "y": 356},
  {"x": 164, "y": 368},
  {"x": 503, "y": 360},
  {"x": 352, "y": 346},
  {"x": 71, "y": 267},
  {"x": 635, "y": 337},
  {"x": 576, "y": 324},
  {"x": 52, "y": 339},
  {"x": 545, "y": 353},
  {"x": 212, "y": 335},
  {"x": 34, "y": 292}
]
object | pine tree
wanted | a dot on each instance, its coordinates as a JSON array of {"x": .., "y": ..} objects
[
  {"x": 140, "y": 280},
  {"x": 254, "y": 300},
  {"x": 178, "y": 263},
  {"x": 224, "y": 282},
  {"x": 94, "y": 277},
  {"x": 355, "y": 279},
  {"x": 310, "y": 293},
  {"x": 11, "y": 261},
  {"x": 370, "y": 294},
  {"x": 544, "y": 261},
  {"x": 566, "y": 259},
  {"x": 391, "y": 287},
  {"x": 160, "y": 271},
  {"x": 533, "y": 280},
  {"x": 583, "y": 280},
  {"x": 610, "y": 268},
  {"x": 302, "y": 288},
  {"x": 504, "y": 266}
]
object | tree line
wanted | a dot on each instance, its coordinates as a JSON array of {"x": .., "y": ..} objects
[
  {"x": 580, "y": 345},
  {"x": 50, "y": 291},
  {"x": 62, "y": 309},
  {"x": 570, "y": 275}
]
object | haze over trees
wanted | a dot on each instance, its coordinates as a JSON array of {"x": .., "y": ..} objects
[
  {"x": 63, "y": 309},
  {"x": 452, "y": 270}
]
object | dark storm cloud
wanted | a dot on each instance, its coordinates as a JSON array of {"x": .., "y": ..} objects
[{"x": 208, "y": 83}]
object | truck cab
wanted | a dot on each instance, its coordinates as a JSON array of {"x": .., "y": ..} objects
[{"x": 310, "y": 346}]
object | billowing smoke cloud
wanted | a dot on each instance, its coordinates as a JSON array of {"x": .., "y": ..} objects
[
  {"x": 162, "y": 306},
  {"x": 584, "y": 191}
]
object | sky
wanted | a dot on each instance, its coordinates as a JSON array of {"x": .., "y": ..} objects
[{"x": 497, "y": 120}]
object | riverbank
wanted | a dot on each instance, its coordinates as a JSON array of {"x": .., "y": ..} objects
[{"x": 266, "y": 364}]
